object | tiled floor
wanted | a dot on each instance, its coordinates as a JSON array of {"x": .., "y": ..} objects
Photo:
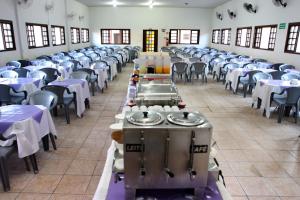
[{"x": 260, "y": 158}]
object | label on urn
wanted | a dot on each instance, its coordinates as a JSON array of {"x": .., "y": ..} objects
[
  {"x": 200, "y": 148},
  {"x": 135, "y": 148}
]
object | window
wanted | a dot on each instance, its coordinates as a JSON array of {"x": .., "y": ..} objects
[
  {"x": 264, "y": 37},
  {"x": 115, "y": 36},
  {"x": 293, "y": 38},
  {"x": 216, "y": 36},
  {"x": 75, "y": 35},
  {"x": 58, "y": 35},
  {"x": 7, "y": 40},
  {"x": 243, "y": 37},
  {"x": 226, "y": 36},
  {"x": 85, "y": 35},
  {"x": 37, "y": 35},
  {"x": 184, "y": 36}
]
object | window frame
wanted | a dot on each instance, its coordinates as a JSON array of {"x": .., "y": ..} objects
[
  {"x": 88, "y": 35},
  {"x": 223, "y": 36},
  {"x": 213, "y": 36},
  {"x": 178, "y": 33},
  {"x": 288, "y": 38},
  {"x": 3, "y": 21},
  {"x": 78, "y": 36},
  {"x": 255, "y": 38},
  {"x": 28, "y": 36},
  {"x": 122, "y": 36},
  {"x": 248, "y": 39},
  {"x": 64, "y": 35}
]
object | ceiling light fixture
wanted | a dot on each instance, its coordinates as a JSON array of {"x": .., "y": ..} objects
[
  {"x": 151, "y": 3},
  {"x": 114, "y": 3}
]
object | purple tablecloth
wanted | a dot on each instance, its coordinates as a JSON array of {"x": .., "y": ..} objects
[
  {"x": 15, "y": 113},
  {"x": 116, "y": 191},
  {"x": 16, "y": 83},
  {"x": 68, "y": 82}
]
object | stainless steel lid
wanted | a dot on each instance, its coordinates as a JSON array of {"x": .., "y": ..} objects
[
  {"x": 148, "y": 118},
  {"x": 185, "y": 118}
]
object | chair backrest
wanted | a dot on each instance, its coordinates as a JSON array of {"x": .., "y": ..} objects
[
  {"x": 22, "y": 72},
  {"x": 261, "y": 76},
  {"x": 290, "y": 76},
  {"x": 5, "y": 93},
  {"x": 285, "y": 66},
  {"x": 176, "y": 59},
  {"x": 24, "y": 63},
  {"x": 293, "y": 95},
  {"x": 59, "y": 91},
  {"x": 9, "y": 74},
  {"x": 45, "y": 98},
  {"x": 256, "y": 60},
  {"x": 80, "y": 75},
  {"x": 44, "y": 57},
  {"x": 38, "y": 74},
  {"x": 251, "y": 74},
  {"x": 230, "y": 66},
  {"x": 194, "y": 59},
  {"x": 251, "y": 66},
  {"x": 76, "y": 65},
  {"x": 51, "y": 74},
  {"x": 87, "y": 70},
  {"x": 180, "y": 67},
  {"x": 199, "y": 67},
  {"x": 14, "y": 63},
  {"x": 276, "y": 66},
  {"x": 276, "y": 75}
]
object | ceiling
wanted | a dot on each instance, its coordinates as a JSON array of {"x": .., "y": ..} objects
[{"x": 157, "y": 3}]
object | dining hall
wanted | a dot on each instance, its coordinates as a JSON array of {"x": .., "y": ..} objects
[{"x": 149, "y": 100}]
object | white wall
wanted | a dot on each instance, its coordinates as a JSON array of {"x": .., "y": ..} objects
[
  {"x": 37, "y": 13},
  {"x": 267, "y": 14},
  {"x": 139, "y": 18},
  {"x": 7, "y": 12}
]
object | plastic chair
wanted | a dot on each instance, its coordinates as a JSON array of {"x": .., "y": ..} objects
[
  {"x": 76, "y": 65},
  {"x": 80, "y": 75},
  {"x": 22, "y": 72},
  {"x": 93, "y": 78},
  {"x": 247, "y": 81},
  {"x": 290, "y": 76},
  {"x": 51, "y": 74},
  {"x": 44, "y": 57},
  {"x": 9, "y": 74},
  {"x": 181, "y": 69},
  {"x": 175, "y": 59},
  {"x": 49, "y": 100},
  {"x": 291, "y": 100},
  {"x": 256, "y": 60},
  {"x": 62, "y": 100},
  {"x": 7, "y": 95},
  {"x": 199, "y": 69},
  {"x": 261, "y": 76},
  {"x": 14, "y": 63},
  {"x": 224, "y": 71},
  {"x": 276, "y": 66},
  {"x": 285, "y": 66},
  {"x": 5, "y": 153},
  {"x": 24, "y": 63},
  {"x": 276, "y": 75}
]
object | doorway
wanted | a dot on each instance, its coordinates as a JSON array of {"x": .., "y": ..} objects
[{"x": 150, "y": 38}]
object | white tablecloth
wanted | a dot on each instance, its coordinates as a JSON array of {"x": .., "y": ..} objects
[
  {"x": 29, "y": 86},
  {"x": 233, "y": 76},
  {"x": 29, "y": 132},
  {"x": 264, "y": 89},
  {"x": 82, "y": 93}
]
